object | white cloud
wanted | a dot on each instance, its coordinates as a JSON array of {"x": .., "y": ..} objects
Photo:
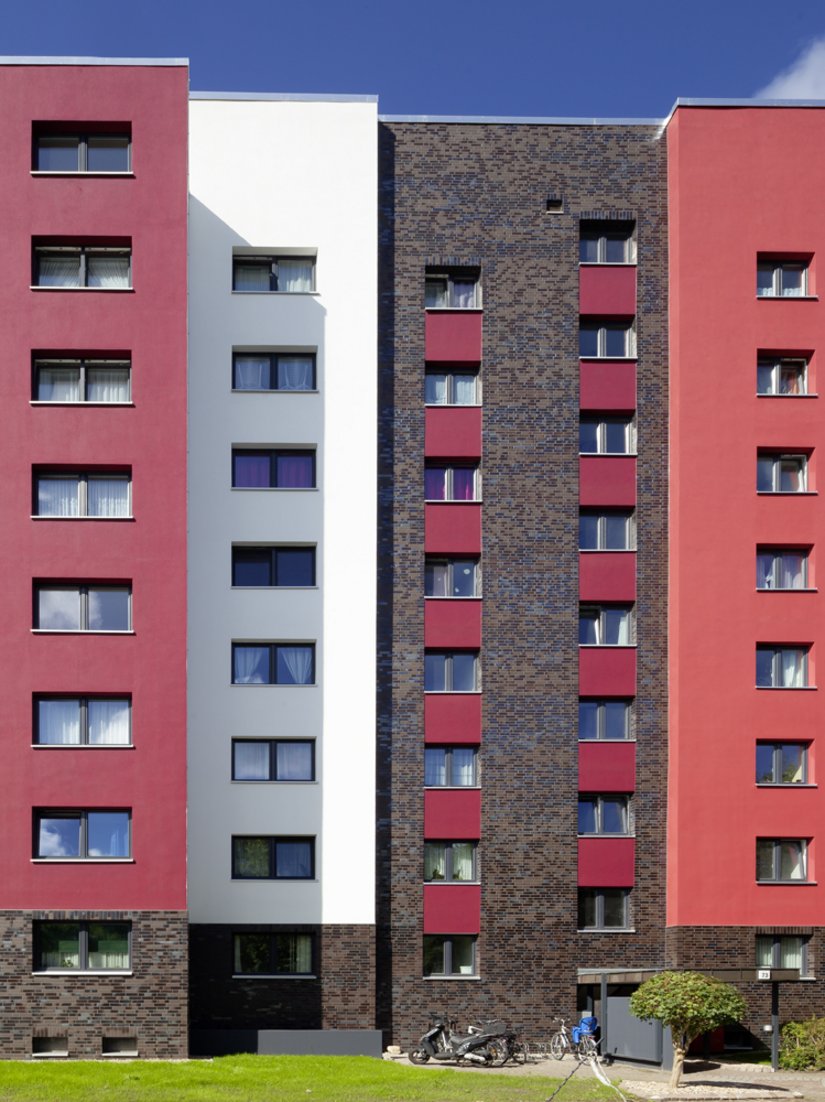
[{"x": 804, "y": 79}]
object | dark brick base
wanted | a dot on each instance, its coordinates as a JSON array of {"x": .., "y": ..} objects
[
  {"x": 149, "y": 1004},
  {"x": 341, "y": 996}
]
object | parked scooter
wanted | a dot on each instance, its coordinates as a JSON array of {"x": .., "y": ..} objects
[{"x": 484, "y": 1045}]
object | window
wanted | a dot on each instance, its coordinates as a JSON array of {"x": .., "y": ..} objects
[
  {"x": 450, "y": 767},
  {"x": 267, "y": 468},
  {"x": 97, "y": 267},
  {"x": 273, "y": 371},
  {"x": 104, "y": 494},
  {"x": 267, "y": 858},
  {"x": 448, "y": 483},
  {"x": 273, "y": 566},
  {"x": 452, "y": 289},
  {"x": 781, "y": 568},
  {"x": 778, "y": 278},
  {"x": 605, "y": 626},
  {"x": 82, "y": 151},
  {"x": 781, "y": 763},
  {"x": 782, "y": 377},
  {"x": 273, "y": 760},
  {"x": 82, "y": 721},
  {"x": 604, "y": 719},
  {"x": 781, "y": 860},
  {"x": 82, "y": 608},
  {"x": 604, "y": 814},
  {"x": 782, "y": 951},
  {"x": 278, "y": 954},
  {"x": 82, "y": 835},
  {"x": 452, "y": 388},
  {"x": 607, "y": 436},
  {"x": 781, "y": 667},
  {"x": 449, "y": 956},
  {"x": 456, "y": 672},
  {"x": 781, "y": 474},
  {"x": 603, "y": 908},
  {"x": 454, "y": 861},
  {"x": 74, "y": 381},
  {"x": 607, "y": 242},
  {"x": 273, "y": 663},
  {"x": 286, "y": 274},
  {"x": 452, "y": 577},
  {"x": 606, "y": 532},
  {"x": 82, "y": 946},
  {"x": 606, "y": 339}
]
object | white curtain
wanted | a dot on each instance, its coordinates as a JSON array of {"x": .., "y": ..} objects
[
  {"x": 791, "y": 860},
  {"x": 438, "y": 574},
  {"x": 300, "y": 953},
  {"x": 295, "y": 373},
  {"x": 57, "y": 497},
  {"x": 251, "y": 666},
  {"x": 435, "y": 389},
  {"x": 64, "y": 952},
  {"x": 107, "y": 384},
  {"x": 435, "y": 862},
  {"x": 463, "y": 295},
  {"x": 296, "y": 664},
  {"x": 58, "y": 384},
  {"x": 791, "y": 568},
  {"x": 463, "y": 860},
  {"x": 107, "y": 271},
  {"x": 108, "y": 946},
  {"x": 108, "y": 497},
  {"x": 294, "y": 761},
  {"x": 792, "y": 666},
  {"x": 252, "y": 373},
  {"x": 109, "y": 722},
  {"x": 435, "y": 767},
  {"x": 58, "y": 722},
  {"x": 295, "y": 275},
  {"x": 463, "y": 761},
  {"x": 251, "y": 761},
  {"x": 465, "y": 390},
  {"x": 58, "y": 271}
]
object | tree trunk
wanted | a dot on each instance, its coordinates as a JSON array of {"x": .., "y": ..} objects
[{"x": 679, "y": 1051}]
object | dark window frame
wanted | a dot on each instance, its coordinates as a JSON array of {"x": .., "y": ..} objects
[
  {"x": 273, "y": 662},
  {"x": 272, "y": 260},
  {"x": 82, "y": 134},
  {"x": 776, "y": 951},
  {"x": 273, "y": 841},
  {"x": 82, "y": 815},
  {"x": 448, "y": 751},
  {"x": 447, "y": 277},
  {"x": 776, "y": 860},
  {"x": 273, "y": 454},
  {"x": 598, "y": 800},
  {"x": 83, "y": 945},
  {"x": 273, "y": 745},
  {"x": 801, "y": 461},
  {"x": 447, "y": 947},
  {"x": 83, "y": 476},
  {"x": 602, "y": 327},
  {"x": 450, "y": 562},
  {"x": 601, "y": 721},
  {"x": 777, "y": 266},
  {"x": 83, "y": 253},
  {"x": 449, "y": 374},
  {"x": 449, "y": 863},
  {"x": 83, "y": 710},
  {"x": 602, "y": 518},
  {"x": 777, "y": 773},
  {"x": 272, "y": 937},
  {"x": 600, "y": 232},
  {"x": 449, "y": 679},
  {"x": 274, "y": 550},
  {"x": 601, "y": 424},
  {"x": 596, "y": 613},
  {"x": 777, "y": 365},
  {"x": 84, "y": 365},
  {"x": 273, "y": 358},
  {"x": 598, "y": 897},
  {"x": 776, "y": 651},
  {"x": 449, "y": 487},
  {"x": 777, "y": 554},
  {"x": 83, "y": 589}
]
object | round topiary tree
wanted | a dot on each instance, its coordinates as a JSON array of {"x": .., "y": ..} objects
[{"x": 691, "y": 1004}]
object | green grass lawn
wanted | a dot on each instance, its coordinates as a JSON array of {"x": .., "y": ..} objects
[{"x": 278, "y": 1079}]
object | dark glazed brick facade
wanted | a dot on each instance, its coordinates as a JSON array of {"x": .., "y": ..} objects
[
  {"x": 150, "y": 1004},
  {"x": 341, "y": 996},
  {"x": 476, "y": 194}
]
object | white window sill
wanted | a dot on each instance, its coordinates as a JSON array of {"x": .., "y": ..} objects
[
  {"x": 44, "y": 516},
  {"x": 49, "y": 1055},
  {"x": 452, "y": 405},
  {"x": 786, "y": 589},
  {"x": 74, "y": 405},
  {"x": 608, "y": 646},
  {"x": 93, "y": 290},
  {"x": 127, "y": 1054},
  {"x": 787, "y": 298},
  {"x": 785, "y": 784},
  {"x": 77, "y": 631},
  {"x": 82, "y": 861},
  {"x": 607, "y": 550},
  {"x": 81, "y": 972},
  {"x": 273, "y": 976},
  {"x": 274, "y": 879},
  {"x": 609, "y": 455},
  {"x": 786, "y": 688},
  {"x": 786, "y": 493},
  {"x": 451, "y": 883},
  {"x": 427, "y": 597},
  {"x": 451, "y": 501},
  {"x": 454, "y": 309},
  {"x": 613, "y": 741},
  {"x": 608, "y": 264},
  {"x": 813, "y": 394},
  {"x": 284, "y": 294},
  {"x": 461, "y": 979},
  {"x": 454, "y": 788},
  {"x": 607, "y": 930},
  {"x": 82, "y": 746},
  {"x": 271, "y": 685},
  {"x": 452, "y": 692},
  {"x": 609, "y": 359},
  {"x": 616, "y": 836},
  {"x": 86, "y": 175},
  {"x": 272, "y": 390}
]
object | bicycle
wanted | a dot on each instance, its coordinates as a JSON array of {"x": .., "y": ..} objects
[{"x": 583, "y": 1047}]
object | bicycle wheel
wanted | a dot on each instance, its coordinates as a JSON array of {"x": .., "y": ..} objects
[
  {"x": 557, "y": 1046},
  {"x": 588, "y": 1046},
  {"x": 499, "y": 1052}
]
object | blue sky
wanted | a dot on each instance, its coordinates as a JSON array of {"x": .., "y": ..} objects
[{"x": 446, "y": 57}]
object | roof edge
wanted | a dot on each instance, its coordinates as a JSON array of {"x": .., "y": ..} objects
[
  {"x": 520, "y": 120},
  {"x": 298, "y": 97},
  {"x": 123, "y": 61}
]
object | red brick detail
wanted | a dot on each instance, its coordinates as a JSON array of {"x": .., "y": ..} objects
[{"x": 452, "y": 813}]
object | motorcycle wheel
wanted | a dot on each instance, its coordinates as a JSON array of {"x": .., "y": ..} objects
[
  {"x": 419, "y": 1056},
  {"x": 499, "y": 1052}
]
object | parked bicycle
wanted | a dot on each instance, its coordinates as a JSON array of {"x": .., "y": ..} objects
[
  {"x": 482, "y": 1044},
  {"x": 581, "y": 1043}
]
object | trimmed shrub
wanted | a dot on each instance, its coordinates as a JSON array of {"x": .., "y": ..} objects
[{"x": 802, "y": 1045}]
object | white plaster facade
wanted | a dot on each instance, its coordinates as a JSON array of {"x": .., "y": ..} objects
[{"x": 277, "y": 174}]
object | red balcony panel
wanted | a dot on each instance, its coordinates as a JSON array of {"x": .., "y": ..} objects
[
  {"x": 607, "y": 576},
  {"x": 607, "y": 671},
  {"x": 452, "y": 814},
  {"x": 452, "y": 718},
  {"x": 607, "y": 290},
  {"x": 607, "y": 386},
  {"x": 452, "y": 529},
  {"x": 607, "y": 480},
  {"x": 453, "y": 432},
  {"x": 607, "y": 766},
  {"x": 607, "y": 862},
  {"x": 452, "y": 623},
  {"x": 453, "y": 336},
  {"x": 452, "y": 908}
]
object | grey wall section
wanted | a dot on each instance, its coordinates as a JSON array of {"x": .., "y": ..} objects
[{"x": 296, "y": 1042}]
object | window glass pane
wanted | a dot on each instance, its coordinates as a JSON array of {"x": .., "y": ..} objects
[
  {"x": 587, "y": 909},
  {"x": 792, "y": 669},
  {"x": 435, "y": 767},
  {"x": 791, "y": 476},
  {"x": 589, "y": 250},
  {"x": 107, "y": 271},
  {"x": 791, "y": 378},
  {"x": 251, "y": 567},
  {"x": 436, "y": 579},
  {"x": 58, "y": 384},
  {"x": 791, "y": 860},
  {"x": 616, "y": 714},
  {"x": 58, "y": 722},
  {"x": 464, "y": 484},
  {"x": 58, "y": 836},
  {"x": 463, "y": 294},
  {"x": 251, "y": 954},
  {"x": 765, "y": 378},
  {"x": 295, "y": 566},
  {"x": 588, "y": 719},
  {"x": 764, "y": 952},
  {"x": 764, "y": 570},
  {"x": 294, "y": 761},
  {"x": 293, "y": 954},
  {"x": 251, "y": 858},
  {"x": 295, "y": 666},
  {"x": 293, "y": 860},
  {"x": 791, "y": 763},
  {"x": 107, "y": 154},
  {"x": 251, "y": 761},
  {"x": 58, "y": 271},
  {"x": 109, "y": 609},
  {"x": 295, "y": 372},
  {"x": 462, "y": 956},
  {"x": 616, "y": 341},
  {"x": 615, "y": 250},
  {"x": 463, "y": 767},
  {"x": 108, "y": 945},
  {"x": 793, "y": 280},
  {"x": 764, "y": 763},
  {"x": 614, "y": 815},
  {"x": 435, "y": 292},
  {"x": 108, "y": 497},
  {"x": 791, "y": 570},
  {"x": 764, "y": 859},
  {"x": 58, "y": 496},
  {"x": 588, "y": 436},
  {"x": 295, "y": 275},
  {"x": 252, "y": 373},
  {"x": 615, "y": 528},
  {"x": 615, "y": 435},
  {"x": 435, "y": 861},
  {"x": 464, "y": 390},
  {"x": 58, "y": 609},
  {"x": 108, "y": 834},
  {"x": 435, "y": 673},
  {"x": 588, "y": 532},
  {"x": 250, "y": 665},
  {"x": 251, "y": 275},
  {"x": 463, "y": 578},
  {"x": 433, "y": 956},
  {"x": 764, "y": 666},
  {"x": 790, "y": 952},
  {"x": 57, "y": 154},
  {"x": 615, "y": 904},
  {"x": 295, "y": 470},
  {"x": 764, "y": 279},
  {"x": 463, "y": 860},
  {"x": 588, "y": 628},
  {"x": 107, "y": 384},
  {"x": 435, "y": 483},
  {"x": 464, "y": 673},
  {"x": 588, "y": 341},
  {"x": 616, "y": 627},
  {"x": 59, "y": 945},
  {"x": 587, "y": 816},
  {"x": 109, "y": 722},
  {"x": 764, "y": 473},
  {"x": 435, "y": 389},
  {"x": 251, "y": 470}
]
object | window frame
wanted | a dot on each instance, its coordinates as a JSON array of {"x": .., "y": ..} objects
[
  {"x": 602, "y": 517},
  {"x": 273, "y": 454},
  {"x": 273, "y": 662},
  {"x": 450, "y": 562},
  {"x": 449, "y": 861},
  {"x": 83, "y": 720},
  {"x": 601, "y": 423},
  {"x": 273, "y": 841},
  {"x": 601, "y": 327},
  {"x": 41, "y": 133},
  {"x": 83, "y": 476},
  {"x": 600, "y": 704},
  {"x": 273, "y": 259},
  {"x": 447, "y": 949},
  {"x": 777, "y": 556},
  {"x": 777, "y": 746},
  {"x": 273, "y": 357},
  {"x": 777, "y": 650},
  {"x": 598, "y": 896},
  {"x": 776, "y": 860},
  {"x": 82, "y": 815},
  {"x": 449, "y": 277},
  {"x": 777, "y": 365},
  {"x": 273, "y": 936},
  {"x": 600, "y": 232},
  {"x": 84, "y": 364},
  {"x": 273, "y": 744},
  {"x": 83, "y": 927},
  {"x": 449, "y": 374},
  {"x": 777, "y": 459},
  {"x": 83, "y": 253},
  {"x": 274, "y": 549},
  {"x": 587, "y": 611},
  {"x": 776, "y": 951},
  {"x": 777, "y": 266},
  {"x": 83, "y": 590},
  {"x": 449, "y": 678},
  {"x": 449, "y": 780},
  {"x": 449, "y": 486},
  {"x": 598, "y": 799}
]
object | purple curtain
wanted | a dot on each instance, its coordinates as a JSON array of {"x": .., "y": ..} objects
[
  {"x": 251, "y": 470},
  {"x": 464, "y": 481},
  {"x": 434, "y": 483},
  {"x": 295, "y": 471}
]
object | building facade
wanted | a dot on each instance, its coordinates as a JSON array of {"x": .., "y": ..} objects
[{"x": 436, "y": 638}]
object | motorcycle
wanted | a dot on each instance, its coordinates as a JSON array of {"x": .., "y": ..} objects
[{"x": 485, "y": 1044}]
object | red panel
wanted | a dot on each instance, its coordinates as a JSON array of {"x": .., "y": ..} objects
[
  {"x": 607, "y": 386},
  {"x": 150, "y": 437},
  {"x": 607, "y": 671},
  {"x": 607, "y": 767},
  {"x": 607, "y": 480},
  {"x": 453, "y": 432},
  {"x": 607, "y": 576},
  {"x": 452, "y": 623},
  {"x": 453, "y": 336},
  {"x": 452, "y": 529},
  {"x": 607, "y": 862},
  {"x": 452, "y": 718},
  {"x": 453, "y": 813},
  {"x": 452, "y": 908},
  {"x": 607, "y": 291}
]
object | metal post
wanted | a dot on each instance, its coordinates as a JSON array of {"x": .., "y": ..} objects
[
  {"x": 603, "y": 1016},
  {"x": 774, "y": 1026}
]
